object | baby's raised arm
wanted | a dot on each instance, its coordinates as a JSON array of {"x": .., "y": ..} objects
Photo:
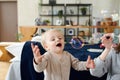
[{"x": 36, "y": 53}]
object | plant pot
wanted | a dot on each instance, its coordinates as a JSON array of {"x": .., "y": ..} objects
[
  {"x": 83, "y": 12},
  {"x": 59, "y": 22}
]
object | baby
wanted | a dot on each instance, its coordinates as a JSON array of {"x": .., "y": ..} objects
[{"x": 56, "y": 63}]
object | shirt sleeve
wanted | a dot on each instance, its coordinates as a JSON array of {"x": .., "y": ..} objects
[
  {"x": 78, "y": 65},
  {"x": 101, "y": 67},
  {"x": 42, "y": 65}
]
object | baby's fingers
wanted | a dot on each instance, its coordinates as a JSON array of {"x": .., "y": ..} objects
[
  {"x": 93, "y": 64},
  {"x": 89, "y": 58},
  {"x": 35, "y": 49}
]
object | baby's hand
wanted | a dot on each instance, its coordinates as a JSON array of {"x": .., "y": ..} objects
[
  {"x": 36, "y": 53},
  {"x": 90, "y": 63}
]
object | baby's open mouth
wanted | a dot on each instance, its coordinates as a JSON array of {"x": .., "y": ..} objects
[{"x": 59, "y": 45}]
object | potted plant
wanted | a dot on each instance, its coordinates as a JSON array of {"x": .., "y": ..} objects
[
  {"x": 83, "y": 10},
  {"x": 18, "y": 37},
  {"x": 46, "y": 22},
  {"x": 60, "y": 15}
]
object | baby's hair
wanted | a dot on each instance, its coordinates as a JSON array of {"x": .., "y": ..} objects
[{"x": 44, "y": 38}]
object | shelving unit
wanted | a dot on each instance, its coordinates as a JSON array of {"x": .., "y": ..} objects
[
  {"x": 70, "y": 12},
  {"x": 75, "y": 8},
  {"x": 73, "y": 13},
  {"x": 71, "y": 16},
  {"x": 49, "y": 12}
]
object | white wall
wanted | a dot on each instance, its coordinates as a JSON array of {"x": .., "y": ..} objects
[
  {"x": 28, "y": 9},
  {"x": 8, "y": 0},
  {"x": 27, "y": 12},
  {"x": 119, "y": 11},
  {"x": 98, "y": 5}
]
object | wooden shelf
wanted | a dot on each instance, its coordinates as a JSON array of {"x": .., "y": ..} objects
[
  {"x": 110, "y": 27},
  {"x": 28, "y": 31}
]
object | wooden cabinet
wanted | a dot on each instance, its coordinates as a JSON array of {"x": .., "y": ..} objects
[
  {"x": 27, "y": 32},
  {"x": 4, "y": 54}
]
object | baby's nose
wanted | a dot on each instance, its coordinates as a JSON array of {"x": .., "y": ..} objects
[{"x": 57, "y": 39}]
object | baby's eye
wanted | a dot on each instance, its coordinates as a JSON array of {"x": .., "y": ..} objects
[{"x": 52, "y": 39}]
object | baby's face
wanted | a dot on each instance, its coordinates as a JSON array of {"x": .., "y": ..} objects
[{"x": 55, "y": 42}]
